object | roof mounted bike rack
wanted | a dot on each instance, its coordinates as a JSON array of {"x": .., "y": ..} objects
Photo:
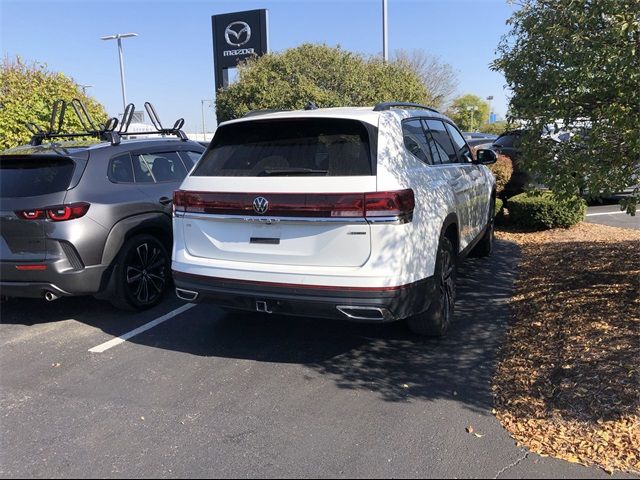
[
  {"x": 381, "y": 107},
  {"x": 106, "y": 132}
]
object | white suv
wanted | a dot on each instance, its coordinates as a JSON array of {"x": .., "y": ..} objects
[{"x": 353, "y": 213}]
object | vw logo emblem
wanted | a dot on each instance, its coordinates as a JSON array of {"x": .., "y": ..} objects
[
  {"x": 235, "y": 31},
  {"x": 261, "y": 205}
]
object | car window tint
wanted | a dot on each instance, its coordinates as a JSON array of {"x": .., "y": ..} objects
[
  {"x": 415, "y": 140},
  {"x": 120, "y": 169},
  {"x": 291, "y": 147},
  {"x": 141, "y": 170},
  {"x": 32, "y": 175},
  {"x": 160, "y": 167},
  {"x": 458, "y": 141},
  {"x": 442, "y": 141},
  {"x": 166, "y": 166},
  {"x": 190, "y": 158}
]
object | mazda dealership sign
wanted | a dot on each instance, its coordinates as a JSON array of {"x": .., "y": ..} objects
[{"x": 237, "y": 36}]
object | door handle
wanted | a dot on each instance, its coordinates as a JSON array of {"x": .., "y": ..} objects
[{"x": 165, "y": 200}]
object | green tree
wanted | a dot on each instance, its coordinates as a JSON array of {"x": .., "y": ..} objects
[
  {"x": 330, "y": 77},
  {"x": 469, "y": 112},
  {"x": 574, "y": 67},
  {"x": 27, "y": 94}
]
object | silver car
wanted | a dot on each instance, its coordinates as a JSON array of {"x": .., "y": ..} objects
[{"x": 90, "y": 220}]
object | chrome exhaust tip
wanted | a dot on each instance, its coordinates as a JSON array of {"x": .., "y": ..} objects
[
  {"x": 50, "y": 296},
  {"x": 371, "y": 314},
  {"x": 187, "y": 295}
]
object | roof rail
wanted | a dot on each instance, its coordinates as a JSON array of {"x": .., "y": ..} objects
[
  {"x": 380, "y": 107},
  {"x": 106, "y": 132}
]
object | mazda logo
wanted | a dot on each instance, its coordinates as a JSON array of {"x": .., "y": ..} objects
[
  {"x": 261, "y": 205},
  {"x": 235, "y": 31}
]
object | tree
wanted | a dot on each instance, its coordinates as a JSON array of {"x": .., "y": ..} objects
[
  {"x": 329, "y": 77},
  {"x": 469, "y": 112},
  {"x": 574, "y": 68},
  {"x": 27, "y": 94},
  {"x": 439, "y": 77}
]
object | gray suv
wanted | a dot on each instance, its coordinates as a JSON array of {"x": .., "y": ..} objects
[{"x": 91, "y": 220}]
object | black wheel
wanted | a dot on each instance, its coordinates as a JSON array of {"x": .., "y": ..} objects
[
  {"x": 484, "y": 247},
  {"x": 436, "y": 320},
  {"x": 141, "y": 273}
]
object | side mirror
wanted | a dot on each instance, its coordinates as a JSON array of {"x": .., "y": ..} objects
[{"x": 485, "y": 157}]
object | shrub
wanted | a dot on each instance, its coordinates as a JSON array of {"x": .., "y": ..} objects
[
  {"x": 27, "y": 93},
  {"x": 329, "y": 77},
  {"x": 541, "y": 211},
  {"x": 502, "y": 170},
  {"x": 498, "y": 209}
]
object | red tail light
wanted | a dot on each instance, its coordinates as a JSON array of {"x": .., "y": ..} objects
[
  {"x": 55, "y": 214},
  {"x": 344, "y": 205},
  {"x": 31, "y": 268}
]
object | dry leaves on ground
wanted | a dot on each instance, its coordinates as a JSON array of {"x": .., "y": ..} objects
[{"x": 568, "y": 381}]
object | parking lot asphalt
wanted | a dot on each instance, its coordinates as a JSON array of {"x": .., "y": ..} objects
[
  {"x": 609, "y": 214},
  {"x": 214, "y": 394}
]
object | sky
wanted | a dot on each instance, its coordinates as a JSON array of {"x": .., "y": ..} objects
[{"x": 170, "y": 63}]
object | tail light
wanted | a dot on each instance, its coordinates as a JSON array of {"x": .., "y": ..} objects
[
  {"x": 398, "y": 203},
  {"x": 59, "y": 213}
]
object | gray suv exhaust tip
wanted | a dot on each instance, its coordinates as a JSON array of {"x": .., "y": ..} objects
[
  {"x": 187, "y": 295},
  {"x": 371, "y": 314},
  {"x": 50, "y": 296}
]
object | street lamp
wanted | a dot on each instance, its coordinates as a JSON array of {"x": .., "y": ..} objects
[
  {"x": 490, "y": 99},
  {"x": 204, "y": 132},
  {"x": 84, "y": 88},
  {"x": 472, "y": 111},
  {"x": 119, "y": 37}
]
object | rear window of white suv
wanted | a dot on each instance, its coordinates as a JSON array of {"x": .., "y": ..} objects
[{"x": 290, "y": 147}]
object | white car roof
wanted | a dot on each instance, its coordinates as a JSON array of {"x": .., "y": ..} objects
[{"x": 364, "y": 114}]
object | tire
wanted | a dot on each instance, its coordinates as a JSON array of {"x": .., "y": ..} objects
[
  {"x": 141, "y": 273},
  {"x": 435, "y": 321},
  {"x": 484, "y": 247}
]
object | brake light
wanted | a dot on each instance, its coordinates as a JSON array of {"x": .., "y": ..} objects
[
  {"x": 384, "y": 204},
  {"x": 342, "y": 205},
  {"x": 59, "y": 213}
]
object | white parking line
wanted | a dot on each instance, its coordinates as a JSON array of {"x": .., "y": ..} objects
[
  {"x": 604, "y": 213},
  {"x": 123, "y": 338}
]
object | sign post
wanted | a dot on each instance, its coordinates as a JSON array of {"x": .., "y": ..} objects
[{"x": 237, "y": 36}]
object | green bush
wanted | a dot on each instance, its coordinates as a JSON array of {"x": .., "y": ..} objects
[
  {"x": 541, "y": 211},
  {"x": 330, "y": 77},
  {"x": 27, "y": 94},
  {"x": 498, "y": 209}
]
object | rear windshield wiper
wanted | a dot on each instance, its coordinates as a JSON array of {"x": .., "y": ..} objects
[{"x": 291, "y": 171}]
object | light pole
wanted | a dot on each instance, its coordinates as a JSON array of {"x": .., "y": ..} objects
[
  {"x": 490, "y": 99},
  {"x": 204, "y": 131},
  {"x": 471, "y": 109},
  {"x": 119, "y": 37},
  {"x": 385, "y": 48},
  {"x": 84, "y": 88}
]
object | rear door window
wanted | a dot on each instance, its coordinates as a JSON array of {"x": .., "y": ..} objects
[
  {"x": 415, "y": 140},
  {"x": 190, "y": 158},
  {"x": 442, "y": 142},
  {"x": 292, "y": 147},
  {"x": 158, "y": 167},
  {"x": 33, "y": 175}
]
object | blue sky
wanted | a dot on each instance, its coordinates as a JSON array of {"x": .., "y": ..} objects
[{"x": 171, "y": 62}]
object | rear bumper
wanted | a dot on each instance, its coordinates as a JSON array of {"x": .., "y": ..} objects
[
  {"x": 381, "y": 304},
  {"x": 35, "y": 284}
]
